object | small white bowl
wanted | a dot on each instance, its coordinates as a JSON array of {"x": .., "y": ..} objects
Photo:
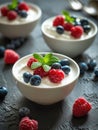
[
  {"x": 45, "y": 94},
  {"x": 22, "y": 28},
  {"x": 69, "y": 46}
]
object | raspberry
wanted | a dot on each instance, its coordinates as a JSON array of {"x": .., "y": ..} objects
[
  {"x": 12, "y": 15},
  {"x": 81, "y": 107},
  {"x": 10, "y": 56},
  {"x": 28, "y": 124},
  {"x": 56, "y": 75},
  {"x": 77, "y": 31},
  {"x": 40, "y": 71},
  {"x": 23, "y": 6},
  {"x": 67, "y": 26},
  {"x": 30, "y": 61},
  {"x": 4, "y": 10},
  {"x": 59, "y": 20}
]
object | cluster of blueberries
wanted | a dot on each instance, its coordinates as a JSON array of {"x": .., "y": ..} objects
[
  {"x": 11, "y": 44},
  {"x": 91, "y": 65}
]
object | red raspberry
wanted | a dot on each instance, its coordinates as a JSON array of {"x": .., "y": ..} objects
[
  {"x": 10, "y": 56},
  {"x": 4, "y": 10},
  {"x": 28, "y": 124},
  {"x": 56, "y": 75},
  {"x": 76, "y": 31},
  {"x": 30, "y": 61},
  {"x": 12, "y": 15},
  {"x": 68, "y": 26},
  {"x": 23, "y": 6},
  {"x": 81, "y": 107},
  {"x": 59, "y": 20},
  {"x": 40, "y": 71}
]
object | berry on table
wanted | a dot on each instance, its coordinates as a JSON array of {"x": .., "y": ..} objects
[
  {"x": 27, "y": 76},
  {"x": 24, "y": 111},
  {"x": 60, "y": 29},
  {"x": 59, "y": 20},
  {"x": 96, "y": 71},
  {"x": 66, "y": 69},
  {"x": 92, "y": 64},
  {"x": 12, "y": 15},
  {"x": 2, "y": 50},
  {"x": 81, "y": 107},
  {"x": 56, "y": 75},
  {"x": 3, "y": 92},
  {"x": 4, "y": 10},
  {"x": 23, "y": 6},
  {"x": 83, "y": 67},
  {"x": 35, "y": 80},
  {"x": 28, "y": 124}
]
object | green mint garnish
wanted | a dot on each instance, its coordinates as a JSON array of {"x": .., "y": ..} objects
[
  {"x": 13, "y": 5},
  {"x": 67, "y": 16},
  {"x": 45, "y": 61}
]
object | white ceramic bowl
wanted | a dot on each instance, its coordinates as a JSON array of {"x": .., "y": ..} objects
[
  {"x": 13, "y": 29},
  {"x": 42, "y": 94},
  {"x": 68, "y": 46}
]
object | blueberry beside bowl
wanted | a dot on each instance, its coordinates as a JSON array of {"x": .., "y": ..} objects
[{"x": 47, "y": 92}]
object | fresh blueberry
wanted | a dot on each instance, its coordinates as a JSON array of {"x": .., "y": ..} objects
[
  {"x": 3, "y": 92},
  {"x": 23, "y": 13},
  {"x": 92, "y": 64},
  {"x": 16, "y": 43},
  {"x": 60, "y": 29},
  {"x": 2, "y": 50},
  {"x": 35, "y": 80},
  {"x": 24, "y": 111},
  {"x": 64, "y": 62},
  {"x": 84, "y": 22},
  {"x": 83, "y": 67},
  {"x": 56, "y": 66},
  {"x": 87, "y": 28},
  {"x": 10, "y": 46},
  {"x": 27, "y": 76},
  {"x": 96, "y": 72},
  {"x": 66, "y": 69}
]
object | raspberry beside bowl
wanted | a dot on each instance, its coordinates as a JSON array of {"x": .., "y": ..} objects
[{"x": 47, "y": 93}]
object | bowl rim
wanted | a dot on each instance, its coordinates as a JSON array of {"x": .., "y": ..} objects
[
  {"x": 36, "y": 7},
  {"x": 70, "y": 40},
  {"x": 45, "y": 88}
]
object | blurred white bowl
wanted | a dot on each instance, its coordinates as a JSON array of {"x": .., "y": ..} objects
[
  {"x": 42, "y": 94},
  {"x": 14, "y": 29},
  {"x": 68, "y": 46}
]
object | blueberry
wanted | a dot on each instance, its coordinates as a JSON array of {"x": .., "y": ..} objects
[
  {"x": 60, "y": 29},
  {"x": 86, "y": 28},
  {"x": 92, "y": 64},
  {"x": 3, "y": 92},
  {"x": 27, "y": 76},
  {"x": 23, "y": 13},
  {"x": 66, "y": 69},
  {"x": 10, "y": 46},
  {"x": 83, "y": 67},
  {"x": 64, "y": 62},
  {"x": 16, "y": 43},
  {"x": 2, "y": 50},
  {"x": 24, "y": 111},
  {"x": 84, "y": 22},
  {"x": 35, "y": 80},
  {"x": 96, "y": 72},
  {"x": 56, "y": 66}
]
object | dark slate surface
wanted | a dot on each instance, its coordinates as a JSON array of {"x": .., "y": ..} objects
[{"x": 57, "y": 116}]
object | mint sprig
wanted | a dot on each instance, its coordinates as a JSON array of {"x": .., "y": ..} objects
[
  {"x": 67, "y": 16},
  {"x": 13, "y": 5},
  {"x": 44, "y": 61}
]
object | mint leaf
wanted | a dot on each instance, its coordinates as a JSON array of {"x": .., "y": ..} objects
[
  {"x": 13, "y": 5},
  {"x": 53, "y": 60},
  {"x": 35, "y": 65},
  {"x": 39, "y": 57},
  {"x": 46, "y": 68},
  {"x": 47, "y": 57}
]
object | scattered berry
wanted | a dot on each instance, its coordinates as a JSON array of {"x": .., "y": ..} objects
[
  {"x": 2, "y": 50},
  {"x": 56, "y": 66},
  {"x": 92, "y": 64},
  {"x": 26, "y": 77},
  {"x": 12, "y": 15},
  {"x": 23, "y": 6},
  {"x": 64, "y": 62},
  {"x": 10, "y": 56},
  {"x": 81, "y": 107},
  {"x": 4, "y": 10},
  {"x": 96, "y": 71},
  {"x": 30, "y": 61},
  {"x": 60, "y": 29},
  {"x": 76, "y": 31},
  {"x": 83, "y": 67},
  {"x": 24, "y": 111},
  {"x": 56, "y": 75},
  {"x": 28, "y": 124},
  {"x": 67, "y": 26},
  {"x": 3, "y": 92},
  {"x": 40, "y": 71},
  {"x": 35, "y": 80},
  {"x": 66, "y": 69},
  {"x": 59, "y": 20}
]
